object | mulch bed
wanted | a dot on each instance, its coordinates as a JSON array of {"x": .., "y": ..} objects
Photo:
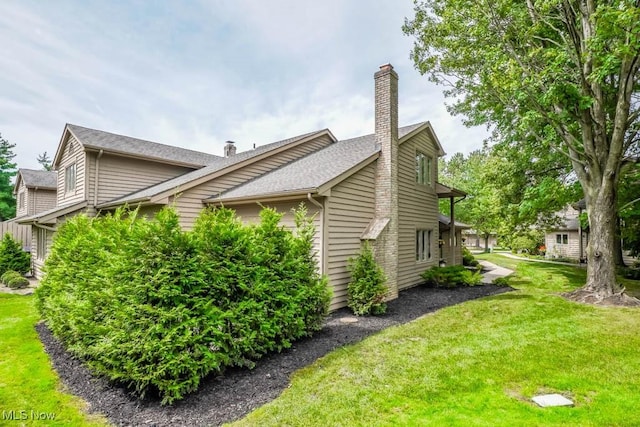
[{"x": 230, "y": 396}]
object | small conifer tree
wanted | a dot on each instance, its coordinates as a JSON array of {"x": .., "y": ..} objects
[{"x": 367, "y": 289}]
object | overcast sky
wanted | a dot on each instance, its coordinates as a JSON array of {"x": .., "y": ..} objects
[{"x": 198, "y": 73}]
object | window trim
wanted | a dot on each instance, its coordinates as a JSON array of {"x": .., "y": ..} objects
[
  {"x": 562, "y": 239},
  {"x": 424, "y": 169},
  {"x": 21, "y": 200},
  {"x": 424, "y": 244},
  {"x": 70, "y": 183}
]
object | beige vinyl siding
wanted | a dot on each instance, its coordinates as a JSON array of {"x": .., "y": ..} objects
[
  {"x": 119, "y": 176},
  {"x": 570, "y": 250},
  {"x": 189, "y": 203},
  {"x": 37, "y": 264},
  {"x": 24, "y": 210},
  {"x": 350, "y": 209},
  {"x": 42, "y": 200},
  {"x": 417, "y": 210},
  {"x": 73, "y": 153}
]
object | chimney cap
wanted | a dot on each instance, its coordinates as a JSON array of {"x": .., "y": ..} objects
[
  {"x": 386, "y": 67},
  {"x": 231, "y": 142}
]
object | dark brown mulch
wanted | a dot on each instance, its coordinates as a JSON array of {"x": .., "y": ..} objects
[{"x": 231, "y": 396}]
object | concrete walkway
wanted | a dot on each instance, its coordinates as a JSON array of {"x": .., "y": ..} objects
[
  {"x": 493, "y": 271},
  {"x": 547, "y": 261}
]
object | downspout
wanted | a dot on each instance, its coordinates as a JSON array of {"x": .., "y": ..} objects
[
  {"x": 95, "y": 183},
  {"x": 322, "y": 243}
]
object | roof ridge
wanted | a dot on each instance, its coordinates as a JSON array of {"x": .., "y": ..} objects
[{"x": 140, "y": 139}]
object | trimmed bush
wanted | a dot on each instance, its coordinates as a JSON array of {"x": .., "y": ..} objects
[
  {"x": 501, "y": 281},
  {"x": 468, "y": 259},
  {"x": 12, "y": 257},
  {"x": 14, "y": 280},
  {"x": 366, "y": 290},
  {"x": 157, "y": 308},
  {"x": 451, "y": 277}
]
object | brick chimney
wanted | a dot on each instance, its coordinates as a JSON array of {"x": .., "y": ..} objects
[
  {"x": 229, "y": 149},
  {"x": 386, "y": 195}
]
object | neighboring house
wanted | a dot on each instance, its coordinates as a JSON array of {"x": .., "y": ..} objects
[
  {"x": 380, "y": 187},
  {"x": 35, "y": 191},
  {"x": 475, "y": 239},
  {"x": 567, "y": 239}
]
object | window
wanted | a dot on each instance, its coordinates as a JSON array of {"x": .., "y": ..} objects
[
  {"x": 562, "y": 239},
  {"x": 41, "y": 248},
  {"x": 21, "y": 200},
  {"x": 423, "y": 245},
  {"x": 423, "y": 168},
  {"x": 70, "y": 178}
]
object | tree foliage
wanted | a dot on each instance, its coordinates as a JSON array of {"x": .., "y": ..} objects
[
  {"x": 45, "y": 161},
  {"x": 549, "y": 76},
  {"x": 7, "y": 172},
  {"x": 157, "y": 308}
]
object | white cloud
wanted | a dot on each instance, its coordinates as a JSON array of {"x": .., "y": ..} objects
[{"x": 200, "y": 73}]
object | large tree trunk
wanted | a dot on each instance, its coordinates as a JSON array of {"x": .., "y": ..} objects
[
  {"x": 602, "y": 286},
  {"x": 617, "y": 246},
  {"x": 486, "y": 242}
]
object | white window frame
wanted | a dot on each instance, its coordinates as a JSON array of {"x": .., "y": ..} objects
[
  {"x": 21, "y": 200},
  {"x": 424, "y": 238},
  {"x": 424, "y": 166},
  {"x": 70, "y": 178},
  {"x": 562, "y": 239}
]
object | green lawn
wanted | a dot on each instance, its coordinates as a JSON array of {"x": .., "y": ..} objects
[
  {"x": 474, "y": 364},
  {"x": 479, "y": 363},
  {"x": 28, "y": 386}
]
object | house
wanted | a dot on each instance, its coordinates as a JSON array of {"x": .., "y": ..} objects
[
  {"x": 477, "y": 240},
  {"x": 35, "y": 191},
  {"x": 380, "y": 188},
  {"x": 567, "y": 239}
]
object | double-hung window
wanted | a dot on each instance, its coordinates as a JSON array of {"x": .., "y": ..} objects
[
  {"x": 70, "y": 178},
  {"x": 423, "y": 245},
  {"x": 423, "y": 168},
  {"x": 562, "y": 239}
]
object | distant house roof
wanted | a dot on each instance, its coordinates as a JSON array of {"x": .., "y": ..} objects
[
  {"x": 193, "y": 178},
  {"x": 46, "y": 180},
  {"x": 125, "y": 145},
  {"x": 445, "y": 223},
  {"x": 568, "y": 224},
  {"x": 580, "y": 204},
  {"x": 310, "y": 173}
]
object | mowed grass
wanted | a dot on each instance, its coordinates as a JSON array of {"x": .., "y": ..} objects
[
  {"x": 479, "y": 363},
  {"x": 29, "y": 389}
]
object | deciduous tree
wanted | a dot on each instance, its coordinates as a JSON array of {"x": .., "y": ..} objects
[{"x": 560, "y": 74}]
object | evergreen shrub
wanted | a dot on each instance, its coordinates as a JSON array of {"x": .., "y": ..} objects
[
  {"x": 12, "y": 257},
  {"x": 451, "y": 277},
  {"x": 14, "y": 280},
  {"x": 158, "y": 308},
  {"x": 366, "y": 290}
]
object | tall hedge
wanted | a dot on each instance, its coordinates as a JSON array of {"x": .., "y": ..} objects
[
  {"x": 150, "y": 305},
  {"x": 12, "y": 257}
]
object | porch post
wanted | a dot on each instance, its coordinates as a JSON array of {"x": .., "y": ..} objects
[{"x": 452, "y": 232}]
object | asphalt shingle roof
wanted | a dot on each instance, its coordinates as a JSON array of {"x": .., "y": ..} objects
[
  {"x": 314, "y": 170},
  {"x": 101, "y": 140},
  {"x": 39, "y": 178},
  {"x": 221, "y": 163}
]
